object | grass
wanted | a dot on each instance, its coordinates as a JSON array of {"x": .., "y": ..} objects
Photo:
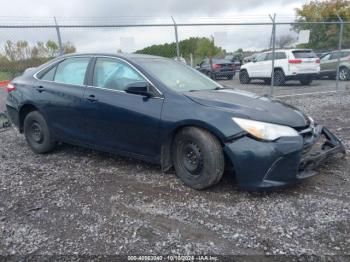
[{"x": 4, "y": 76}]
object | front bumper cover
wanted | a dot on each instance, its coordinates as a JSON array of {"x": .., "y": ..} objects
[{"x": 267, "y": 165}]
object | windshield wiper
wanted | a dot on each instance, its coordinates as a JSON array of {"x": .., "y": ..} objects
[{"x": 223, "y": 87}]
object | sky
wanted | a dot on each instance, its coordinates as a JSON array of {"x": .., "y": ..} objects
[{"x": 147, "y": 11}]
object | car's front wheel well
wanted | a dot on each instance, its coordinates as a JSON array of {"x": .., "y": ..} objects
[
  {"x": 24, "y": 111},
  {"x": 166, "y": 149},
  {"x": 279, "y": 69}
]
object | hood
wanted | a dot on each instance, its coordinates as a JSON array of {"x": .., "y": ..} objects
[{"x": 248, "y": 105}]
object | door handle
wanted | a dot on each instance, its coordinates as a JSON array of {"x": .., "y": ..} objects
[
  {"x": 92, "y": 98},
  {"x": 40, "y": 89}
]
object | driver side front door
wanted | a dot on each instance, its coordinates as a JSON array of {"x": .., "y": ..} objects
[{"x": 117, "y": 120}]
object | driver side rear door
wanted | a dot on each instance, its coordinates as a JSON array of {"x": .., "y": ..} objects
[{"x": 117, "y": 120}]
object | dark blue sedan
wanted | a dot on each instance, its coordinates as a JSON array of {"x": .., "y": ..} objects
[{"x": 165, "y": 112}]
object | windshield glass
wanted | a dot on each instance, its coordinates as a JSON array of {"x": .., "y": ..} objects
[{"x": 177, "y": 75}]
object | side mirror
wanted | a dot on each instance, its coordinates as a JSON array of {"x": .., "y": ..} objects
[
  {"x": 139, "y": 88},
  {"x": 254, "y": 60}
]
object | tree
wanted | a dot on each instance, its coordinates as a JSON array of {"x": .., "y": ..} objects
[
  {"x": 324, "y": 36},
  {"x": 52, "y": 48},
  {"x": 285, "y": 41},
  {"x": 20, "y": 55},
  {"x": 199, "y": 47},
  {"x": 68, "y": 48}
]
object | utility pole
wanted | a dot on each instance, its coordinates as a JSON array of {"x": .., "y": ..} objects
[
  {"x": 58, "y": 36},
  {"x": 341, "y": 22},
  {"x": 273, "y": 53},
  {"x": 176, "y": 39}
]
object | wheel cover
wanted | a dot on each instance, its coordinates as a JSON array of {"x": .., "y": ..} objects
[
  {"x": 343, "y": 74},
  {"x": 192, "y": 158},
  {"x": 35, "y": 132}
]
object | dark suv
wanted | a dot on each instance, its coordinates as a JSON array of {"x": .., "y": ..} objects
[{"x": 215, "y": 68}]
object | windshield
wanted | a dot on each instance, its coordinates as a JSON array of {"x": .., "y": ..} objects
[{"x": 177, "y": 75}]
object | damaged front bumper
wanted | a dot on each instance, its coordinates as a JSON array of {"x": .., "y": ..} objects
[{"x": 267, "y": 165}]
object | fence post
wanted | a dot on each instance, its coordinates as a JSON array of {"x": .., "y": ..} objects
[
  {"x": 341, "y": 22},
  {"x": 58, "y": 36},
  {"x": 176, "y": 39},
  {"x": 273, "y": 53}
]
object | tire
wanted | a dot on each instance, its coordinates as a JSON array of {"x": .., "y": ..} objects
[
  {"x": 332, "y": 77},
  {"x": 279, "y": 78},
  {"x": 198, "y": 158},
  {"x": 344, "y": 74},
  {"x": 306, "y": 81},
  {"x": 244, "y": 77},
  {"x": 37, "y": 133},
  {"x": 267, "y": 81}
]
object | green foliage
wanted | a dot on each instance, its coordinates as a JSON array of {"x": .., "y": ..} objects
[
  {"x": 199, "y": 47},
  {"x": 20, "y": 55},
  {"x": 324, "y": 36}
]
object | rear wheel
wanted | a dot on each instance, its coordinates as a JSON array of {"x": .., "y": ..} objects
[
  {"x": 344, "y": 74},
  {"x": 37, "y": 133},
  {"x": 267, "y": 81},
  {"x": 244, "y": 77},
  {"x": 306, "y": 81},
  {"x": 198, "y": 158},
  {"x": 279, "y": 78}
]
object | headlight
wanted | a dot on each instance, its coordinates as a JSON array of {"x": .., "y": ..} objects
[{"x": 263, "y": 130}]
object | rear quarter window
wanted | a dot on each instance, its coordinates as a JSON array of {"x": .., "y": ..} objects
[
  {"x": 304, "y": 54},
  {"x": 49, "y": 75}
]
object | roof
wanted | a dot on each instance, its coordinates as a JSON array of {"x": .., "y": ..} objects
[{"x": 123, "y": 55}]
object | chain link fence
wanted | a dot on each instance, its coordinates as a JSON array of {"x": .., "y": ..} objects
[{"x": 269, "y": 57}]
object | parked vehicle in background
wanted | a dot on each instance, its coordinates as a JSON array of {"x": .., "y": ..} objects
[
  {"x": 290, "y": 64},
  {"x": 322, "y": 54},
  {"x": 217, "y": 68},
  {"x": 250, "y": 58},
  {"x": 329, "y": 65},
  {"x": 234, "y": 59},
  {"x": 180, "y": 59}
]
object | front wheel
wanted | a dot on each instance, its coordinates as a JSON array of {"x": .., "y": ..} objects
[
  {"x": 279, "y": 78},
  {"x": 37, "y": 133},
  {"x": 198, "y": 158},
  {"x": 344, "y": 74},
  {"x": 244, "y": 77}
]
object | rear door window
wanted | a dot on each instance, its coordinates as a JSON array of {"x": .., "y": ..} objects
[
  {"x": 304, "y": 54},
  {"x": 278, "y": 55},
  {"x": 72, "y": 71},
  {"x": 114, "y": 74}
]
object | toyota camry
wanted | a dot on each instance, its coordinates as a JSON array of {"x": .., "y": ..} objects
[{"x": 163, "y": 111}]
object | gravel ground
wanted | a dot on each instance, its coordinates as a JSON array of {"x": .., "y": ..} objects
[{"x": 79, "y": 201}]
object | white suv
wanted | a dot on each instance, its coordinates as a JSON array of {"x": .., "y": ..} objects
[{"x": 290, "y": 64}]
